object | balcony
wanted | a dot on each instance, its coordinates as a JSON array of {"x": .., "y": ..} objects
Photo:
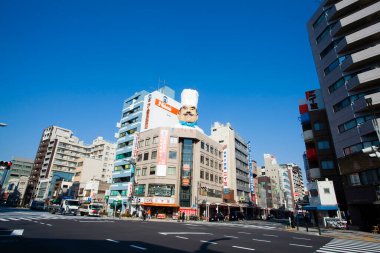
[
  {"x": 314, "y": 173},
  {"x": 119, "y": 186},
  {"x": 367, "y": 79},
  {"x": 361, "y": 59},
  {"x": 121, "y": 173},
  {"x": 345, "y": 7},
  {"x": 368, "y": 103},
  {"x": 365, "y": 16},
  {"x": 366, "y": 127},
  {"x": 308, "y": 135}
]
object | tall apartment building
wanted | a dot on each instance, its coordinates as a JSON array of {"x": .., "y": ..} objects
[
  {"x": 56, "y": 158},
  {"x": 286, "y": 188},
  {"x": 21, "y": 167},
  {"x": 237, "y": 153},
  {"x": 141, "y": 111},
  {"x": 344, "y": 37},
  {"x": 105, "y": 152},
  {"x": 320, "y": 162},
  {"x": 296, "y": 179}
]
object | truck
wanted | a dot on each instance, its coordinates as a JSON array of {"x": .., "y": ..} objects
[
  {"x": 90, "y": 209},
  {"x": 65, "y": 206}
]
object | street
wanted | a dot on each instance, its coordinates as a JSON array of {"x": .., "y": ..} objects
[{"x": 44, "y": 232}]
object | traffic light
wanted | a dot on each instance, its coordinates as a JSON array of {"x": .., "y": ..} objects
[{"x": 5, "y": 164}]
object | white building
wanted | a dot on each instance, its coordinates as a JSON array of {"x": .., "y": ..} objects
[
  {"x": 238, "y": 177},
  {"x": 105, "y": 152}
]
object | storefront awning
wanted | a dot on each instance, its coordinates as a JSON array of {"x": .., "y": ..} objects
[
  {"x": 320, "y": 208},
  {"x": 159, "y": 204}
]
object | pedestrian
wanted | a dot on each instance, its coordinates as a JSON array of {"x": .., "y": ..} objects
[
  {"x": 143, "y": 215},
  {"x": 183, "y": 217},
  {"x": 149, "y": 214},
  {"x": 179, "y": 216}
]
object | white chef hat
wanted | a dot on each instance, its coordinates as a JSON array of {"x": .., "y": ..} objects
[{"x": 189, "y": 97}]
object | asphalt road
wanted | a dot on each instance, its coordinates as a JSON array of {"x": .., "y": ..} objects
[{"x": 43, "y": 232}]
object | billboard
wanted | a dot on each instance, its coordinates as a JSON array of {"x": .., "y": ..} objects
[
  {"x": 159, "y": 111},
  {"x": 225, "y": 172},
  {"x": 162, "y": 156}
]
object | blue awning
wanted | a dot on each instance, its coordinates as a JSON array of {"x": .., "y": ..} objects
[{"x": 320, "y": 208}]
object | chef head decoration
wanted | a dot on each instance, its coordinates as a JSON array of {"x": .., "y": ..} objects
[{"x": 188, "y": 114}]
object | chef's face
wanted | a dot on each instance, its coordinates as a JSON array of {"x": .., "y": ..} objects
[{"x": 188, "y": 114}]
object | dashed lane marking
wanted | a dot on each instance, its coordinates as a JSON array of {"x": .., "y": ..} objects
[
  {"x": 110, "y": 240},
  {"x": 209, "y": 242},
  {"x": 300, "y": 238},
  {"x": 182, "y": 237},
  {"x": 300, "y": 245},
  {"x": 259, "y": 240},
  {"x": 137, "y": 247},
  {"x": 238, "y": 247}
]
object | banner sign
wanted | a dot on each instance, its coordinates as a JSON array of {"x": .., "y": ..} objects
[
  {"x": 162, "y": 156},
  {"x": 225, "y": 172}
]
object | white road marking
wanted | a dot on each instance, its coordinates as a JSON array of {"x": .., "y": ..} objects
[
  {"x": 244, "y": 233},
  {"x": 48, "y": 225},
  {"x": 209, "y": 242},
  {"x": 137, "y": 247},
  {"x": 260, "y": 240},
  {"x": 182, "y": 237},
  {"x": 299, "y": 245},
  {"x": 3, "y": 219},
  {"x": 17, "y": 232},
  {"x": 230, "y": 236},
  {"x": 270, "y": 235},
  {"x": 184, "y": 233},
  {"x": 110, "y": 240},
  {"x": 12, "y": 219},
  {"x": 242, "y": 248},
  {"x": 42, "y": 223},
  {"x": 300, "y": 238}
]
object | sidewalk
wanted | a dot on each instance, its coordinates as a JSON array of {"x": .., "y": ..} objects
[{"x": 339, "y": 234}]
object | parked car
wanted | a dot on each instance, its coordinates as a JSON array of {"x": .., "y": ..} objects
[
  {"x": 217, "y": 217},
  {"x": 38, "y": 205},
  {"x": 236, "y": 215}
]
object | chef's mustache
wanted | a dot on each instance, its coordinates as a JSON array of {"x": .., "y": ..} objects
[{"x": 188, "y": 114}]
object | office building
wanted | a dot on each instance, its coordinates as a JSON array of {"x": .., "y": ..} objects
[
  {"x": 344, "y": 37},
  {"x": 237, "y": 161}
]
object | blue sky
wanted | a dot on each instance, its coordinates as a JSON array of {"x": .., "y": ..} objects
[{"x": 72, "y": 63}]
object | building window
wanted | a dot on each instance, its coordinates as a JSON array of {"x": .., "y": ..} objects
[
  {"x": 155, "y": 139},
  {"x": 143, "y": 171},
  {"x": 141, "y": 144},
  {"x": 207, "y": 162},
  {"x": 139, "y": 157},
  {"x": 326, "y": 190},
  {"x": 202, "y": 159},
  {"x": 318, "y": 126},
  {"x": 138, "y": 172},
  {"x": 202, "y": 176},
  {"x": 171, "y": 170},
  {"x": 207, "y": 176},
  {"x": 334, "y": 65},
  {"x": 146, "y": 156},
  {"x": 212, "y": 163},
  {"x": 154, "y": 155},
  {"x": 164, "y": 190},
  {"x": 147, "y": 141},
  {"x": 327, "y": 165},
  {"x": 172, "y": 154},
  {"x": 212, "y": 150},
  {"x": 207, "y": 148},
  {"x": 202, "y": 145},
  {"x": 211, "y": 177},
  {"x": 152, "y": 170},
  {"x": 220, "y": 180},
  {"x": 323, "y": 145},
  {"x": 173, "y": 140}
]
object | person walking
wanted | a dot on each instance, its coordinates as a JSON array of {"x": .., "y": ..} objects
[
  {"x": 183, "y": 217},
  {"x": 143, "y": 215},
  {"x": 149, "y": 214}
]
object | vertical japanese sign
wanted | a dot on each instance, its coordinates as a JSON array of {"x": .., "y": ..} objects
[
  {"x": 162, "y": 153},
  {"x": 225, "y": 172},
  {"x": 251, "y": 181}
]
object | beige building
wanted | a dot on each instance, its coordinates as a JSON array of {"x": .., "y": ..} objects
[
  {"x": 177, "y": 169},
  {"x": 272, "y": 170},
  {"x": 237, "y": 169},
  {"x": 105, "y": 151}
]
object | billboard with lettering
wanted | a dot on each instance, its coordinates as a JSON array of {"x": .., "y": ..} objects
[{"x": 159, "y": 110}]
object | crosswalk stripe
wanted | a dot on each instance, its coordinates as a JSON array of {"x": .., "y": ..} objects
[
  {"x": 358, "y": 246},
  {"x": 351, "y": 249},
  {"x": 349, "y": 246},
  {"x": 3, "y": 219}
]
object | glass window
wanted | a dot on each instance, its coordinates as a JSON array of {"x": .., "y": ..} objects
[
  {"x": 202, "y": 159},
  {"x": 138, "y": 172},
  {"x": 139, "y": 157},
  {"x": 326, "y": 190},
  {"x": 202, "y": 145},
  {"x": 155, "y": 139},
  {"x": 207, "y": 176},
  {"x": 319, "y": 126},
  {"x": 327, "y": 165},
  {"x": 207, "y": 161},
  {"x": 147, "y": 141},
  {"x": 207, "y": 147},
  {"x": 202, "y": 174},
  {"x": 211, "y": 149},
  {"x": 172, "y": 154},
  {"x": 141, "y": 144},
  {"x": 171, "y": 170},
  {"x": 143, "y": 172},
  {"x": 154, "y": 155},
  {"x": 212, "y": 163},
  {"x": 165, "y": 190},
  {"x": 211, "y": 177},
  {"x": 220, "y": 180},
  {"x": 146, "y": 156},
  {"x": 323, "y": 145},
  {"x": 152, "y": 170},
  {"x": 354, "y": 179},
  {"x": 173, "y": 140}
]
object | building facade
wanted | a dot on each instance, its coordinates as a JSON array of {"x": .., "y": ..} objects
[
  {"x": 238, "y": 176},
  {"x": 105, "y": 152},
  {"x": 272, "y": 170},
  {"x": 344, "y": 37},
  {"x": 140, "y": 112}
]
